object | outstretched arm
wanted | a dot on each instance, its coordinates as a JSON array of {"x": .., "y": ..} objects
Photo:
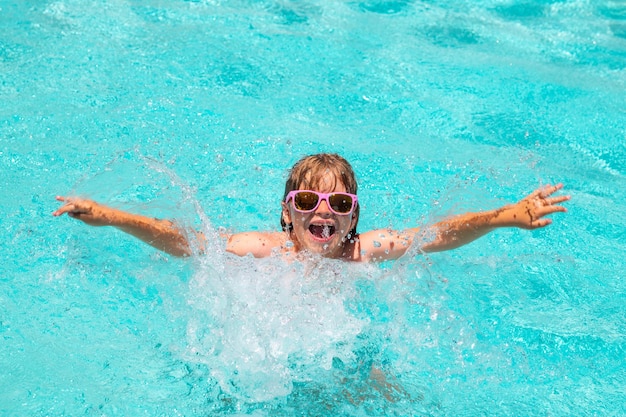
[
  {"x": 162, "y": 234},
  {"x": 528, "y": 213},
  {"x": 456, "y": 231}
]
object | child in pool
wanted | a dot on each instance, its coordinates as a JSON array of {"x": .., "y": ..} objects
[{"x": 320, "y": 212}]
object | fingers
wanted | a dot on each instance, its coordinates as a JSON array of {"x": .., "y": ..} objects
[
  {"x": 544, "y": 211},
  {"x": 540, "y": 223},
  {"x": 550, "y": 189},
  {"x": 59, "y": 211},
  {"x": 73, "y": 207},
  {"x": 66, "y": 208},
  {"x": 547, "y": 190},
  {"x": 551, "y": 204},
  {"x": 556, "y": 200},
  {"x": 541, "y": 196}
]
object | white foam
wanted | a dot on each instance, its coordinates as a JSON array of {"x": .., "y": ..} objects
[{"x": 255, "y": 320}]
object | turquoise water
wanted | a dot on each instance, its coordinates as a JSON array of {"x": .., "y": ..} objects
[{"x": 194, "y": 110}]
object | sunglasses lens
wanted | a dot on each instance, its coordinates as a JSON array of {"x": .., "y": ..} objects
[
  {"x": 305, "y": 201},
  {"x": 341, "y": 203}
]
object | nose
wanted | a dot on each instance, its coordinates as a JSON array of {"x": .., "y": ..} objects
[{"x": 323, "y": 209}]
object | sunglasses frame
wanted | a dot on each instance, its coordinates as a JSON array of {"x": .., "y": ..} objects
[{"x": 320, "y": 197}]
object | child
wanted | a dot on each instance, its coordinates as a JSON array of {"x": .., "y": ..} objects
[{"x": 320, "y": 212}]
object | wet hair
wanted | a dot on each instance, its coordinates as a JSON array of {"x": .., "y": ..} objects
[{"x": 309, "y": 173}]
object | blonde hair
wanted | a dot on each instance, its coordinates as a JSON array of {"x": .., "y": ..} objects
[{"x": 310, "y": 173}]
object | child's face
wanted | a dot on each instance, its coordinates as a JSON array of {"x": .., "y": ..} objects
[{"x": 320, "y": 231}]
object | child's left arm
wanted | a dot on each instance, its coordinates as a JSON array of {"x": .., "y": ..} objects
[
  {"x": 456, "y": 231},
  {"x": 528, "y": 213}
]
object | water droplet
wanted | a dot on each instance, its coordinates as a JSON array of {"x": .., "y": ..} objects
[
  {"x": 289, "y": 244},
  {"x": 376, "y": 244}
]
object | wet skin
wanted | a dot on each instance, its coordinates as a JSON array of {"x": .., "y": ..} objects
[
  {"x": 320, "y": 231},
  {"x": 324, "y": 232}
]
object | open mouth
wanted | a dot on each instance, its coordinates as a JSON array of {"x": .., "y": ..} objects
[{"x": 322, "y": 231}]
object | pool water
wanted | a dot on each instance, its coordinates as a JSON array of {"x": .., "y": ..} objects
[{"x": 194, "y": 110}]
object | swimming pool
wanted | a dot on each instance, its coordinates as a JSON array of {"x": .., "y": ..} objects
[{"x": 195, "y": 109}]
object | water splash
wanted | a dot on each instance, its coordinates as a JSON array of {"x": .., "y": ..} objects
[{"x": 269, "y": 323}]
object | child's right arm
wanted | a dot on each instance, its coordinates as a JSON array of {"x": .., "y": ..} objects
[{"x": 162, "y": 234}]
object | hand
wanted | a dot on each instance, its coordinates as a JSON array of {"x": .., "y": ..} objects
[
  {"x": 529, "y": 212},
  {"x": 87, "y": 211}
]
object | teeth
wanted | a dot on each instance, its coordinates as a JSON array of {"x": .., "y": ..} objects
[{"x": 323, "y": 231}]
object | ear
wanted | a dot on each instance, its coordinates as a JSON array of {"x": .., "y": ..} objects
[{"x": 286, "y": 214}]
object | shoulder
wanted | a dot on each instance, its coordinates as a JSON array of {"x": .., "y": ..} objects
[
  {"x": 259, "y": 244},
  {"x": 383, "y": 244}
]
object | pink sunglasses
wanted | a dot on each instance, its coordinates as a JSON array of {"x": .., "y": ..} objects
[{"x": 306, "y": 201}]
